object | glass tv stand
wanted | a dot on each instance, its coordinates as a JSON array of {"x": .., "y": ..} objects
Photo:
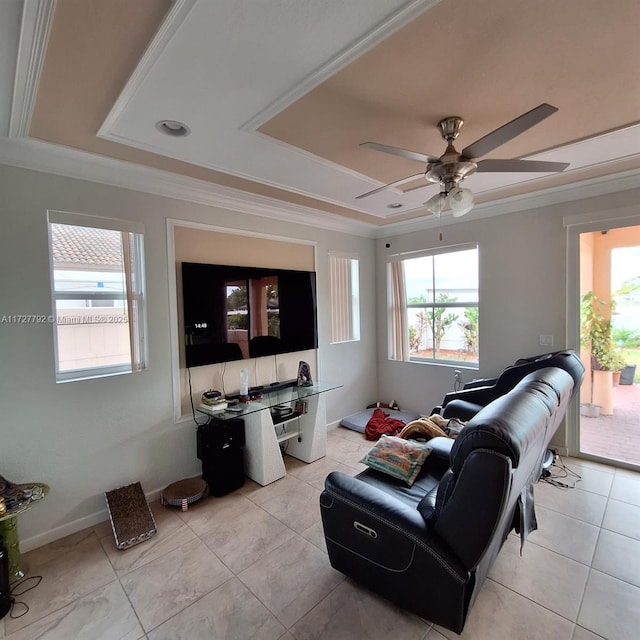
[{"x": 283, "y": 415}]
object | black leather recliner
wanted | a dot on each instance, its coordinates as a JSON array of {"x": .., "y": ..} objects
[
  {"x": 429, "y": 547},
  {"x": 464, "y": 404}
]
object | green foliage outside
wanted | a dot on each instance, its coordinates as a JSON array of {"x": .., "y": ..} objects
[
  {"x": 469, "y": 328},
  {"x": 416, "y": 333},
  {"x": 439, "y": 321},
  {"x": 273, "y": 325},
  {"x": 626, "y": 338},
  {"x": 596, "y": 333},
  {"x": 628, "y": 286},
  {"x": 237, "y": 299},
  {"x": 238, "y": 321},
  {"x": 631, "y": 357}
]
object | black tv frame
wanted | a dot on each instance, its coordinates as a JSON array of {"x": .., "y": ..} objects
[{"x": 204, "y": 297}]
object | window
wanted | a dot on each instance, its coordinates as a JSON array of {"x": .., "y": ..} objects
[
  {"x": 97, "y": 282},
  {"x": 433, "y": 306},
  {"x": 345, "y": 299}
]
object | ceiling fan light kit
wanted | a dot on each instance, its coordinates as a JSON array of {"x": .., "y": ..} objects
[
  {"x": 436, "y": 203},
  {"x": 452, "y": 167},
  {"x": 460, "y": 201}
]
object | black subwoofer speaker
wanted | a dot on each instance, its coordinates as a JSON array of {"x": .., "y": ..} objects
[
  {"x": 5, "y": 590},
  {"x": 220, "y": 446}
]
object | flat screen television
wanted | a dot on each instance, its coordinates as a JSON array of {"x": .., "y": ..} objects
[{"x": 231, "y": 312}]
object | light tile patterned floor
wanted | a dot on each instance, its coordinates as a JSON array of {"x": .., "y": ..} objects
[
  {"x": 616, "y": 437},
  {"x": 253, "y": 564}
]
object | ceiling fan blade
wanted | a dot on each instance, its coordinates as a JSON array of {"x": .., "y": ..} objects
[
  {"x": 397, "y": 183},
  {"x": 508, "y": 131},
  {"x": 397, "y": 151},
  {"x": 504, "y": 166}
]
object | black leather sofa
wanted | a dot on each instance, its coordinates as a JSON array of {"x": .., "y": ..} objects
[
  {"x": 429, "y": 547},
  {"x": 465, "y": 403}
]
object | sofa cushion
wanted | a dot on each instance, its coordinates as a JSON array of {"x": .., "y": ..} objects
[
  {"x": 431, "y": 504},
  {"x": 461, "y": 409},
  {"x": 399, "y": 458}
]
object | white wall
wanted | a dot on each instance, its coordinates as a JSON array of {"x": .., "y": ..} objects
[
  {"x": 85, "y": 438},
  {"x": 523, "y": 292}
]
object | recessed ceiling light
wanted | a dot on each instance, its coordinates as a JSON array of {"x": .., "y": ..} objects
[
  {"x": 173, "y": 128},
  {"x": 394, "y": 205}
]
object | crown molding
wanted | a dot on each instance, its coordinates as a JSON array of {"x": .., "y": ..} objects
[
  {"x": 71, "y": 163},
  {"x": 49, "y": 158},
  {"x": 151, "y": 148},
  {"x": 590, "y": 188},
  {"x": 34, "y": 35}
]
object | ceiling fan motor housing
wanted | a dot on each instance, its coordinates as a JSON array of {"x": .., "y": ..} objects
[
  {"x": 451, "y": 167},
  {"x": 450, "y": 170}
]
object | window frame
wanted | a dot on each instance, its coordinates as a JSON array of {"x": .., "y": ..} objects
[
  {"x": 350, "y": 296},
  {"x": 139, "y": 360},
  {"x": 434, "y": 304}
]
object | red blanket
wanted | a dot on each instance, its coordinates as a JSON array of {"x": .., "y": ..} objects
[{"x": 382, "y": 423}]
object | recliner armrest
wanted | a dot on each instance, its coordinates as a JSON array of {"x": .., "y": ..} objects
[
  {"x": 461, "y": 409},
  {"x": 378, "y": 504},
  {"x": 441, "y": 447}
]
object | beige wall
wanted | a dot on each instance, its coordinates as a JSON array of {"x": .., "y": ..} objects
[
  {"x": 244, "y": 250},
  {"x": 215, "y": 247}
]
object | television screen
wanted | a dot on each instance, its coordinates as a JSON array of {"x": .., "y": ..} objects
[{"x": 231, "y": 313}]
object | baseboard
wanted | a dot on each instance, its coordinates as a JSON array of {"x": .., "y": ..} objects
[
  {"x": 333, "y": 425},
  {"x": 40, "y": 539}
]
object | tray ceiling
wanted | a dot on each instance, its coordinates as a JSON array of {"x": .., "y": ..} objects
[{"x": 279, "y": 95}]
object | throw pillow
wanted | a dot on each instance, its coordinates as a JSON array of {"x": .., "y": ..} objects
[{"x": 396, "y": 457}]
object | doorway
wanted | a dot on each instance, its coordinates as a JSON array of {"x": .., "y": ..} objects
[{"x": 609, "y": 290}]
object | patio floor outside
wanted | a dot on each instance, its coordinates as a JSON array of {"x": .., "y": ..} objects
[{"x": 617, "y": 436}]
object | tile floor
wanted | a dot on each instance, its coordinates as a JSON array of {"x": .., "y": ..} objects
[
  {"x": 616, "y": 437},
  {"x": 253, "y": 565}
]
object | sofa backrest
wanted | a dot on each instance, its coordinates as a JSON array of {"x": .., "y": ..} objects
[
  {"x": 512, "y": 375},
  {"x": 497, "y": 455}
]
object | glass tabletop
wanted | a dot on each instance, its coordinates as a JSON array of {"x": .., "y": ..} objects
[{"x": 269, "y": 397}]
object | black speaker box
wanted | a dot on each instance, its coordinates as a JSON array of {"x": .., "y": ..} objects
[
  {"x": 5, "y": 590},
  {"x": 220, "y": 447}
]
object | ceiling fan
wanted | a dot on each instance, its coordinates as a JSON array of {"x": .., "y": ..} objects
[{"x": 452, "y": 167}]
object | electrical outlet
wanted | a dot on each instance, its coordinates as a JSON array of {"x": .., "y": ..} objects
[{"x": 546, "y": 340}]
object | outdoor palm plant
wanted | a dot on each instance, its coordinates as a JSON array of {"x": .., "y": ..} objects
[{"x": 596, "y": 333}]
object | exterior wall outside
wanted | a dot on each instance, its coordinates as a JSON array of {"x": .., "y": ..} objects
[
  {"x": 87, "y": 437},
  {"x": 83, "y": 331}
]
